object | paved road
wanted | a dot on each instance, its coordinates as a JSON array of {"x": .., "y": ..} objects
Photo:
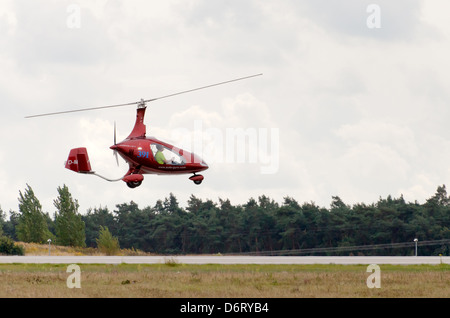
[{"x": 200, "y": 259}]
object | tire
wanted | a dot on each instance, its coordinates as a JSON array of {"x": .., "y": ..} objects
[{"x": 133, "y": 185}]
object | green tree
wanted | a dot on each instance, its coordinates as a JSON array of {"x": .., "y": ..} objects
[
  {"x": 127, "y": 218},
  {"x": 231, "y": 219},
  {"x": 7, "y": 247},
  {"x": 291, "y": 224},
  {"x": 440, "y": 198},
  {"x": 257, "y": 223},
  {"x": 2, "y": 220},
  {"x": 168, "y": 227},
  {"x": 69, "y": 227},
  {"x": 107, "y": 243},
  {"x": 171, "y": 204},
  {"x": 93, "y": 219},
  {"x": 32, "y": 224},
  {"x": 9, "y": 227}
]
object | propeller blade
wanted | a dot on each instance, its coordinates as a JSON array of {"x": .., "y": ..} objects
[
  {"x": 115, "y": 151},
  {"x": 142, "y": 101},
  {"x": 117, "y": 157},
  {"x": 114, "y": 132}
]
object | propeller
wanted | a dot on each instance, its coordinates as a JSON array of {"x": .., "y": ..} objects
[
  {"x": 115, "y": 133},
  {"x": 142, "y": 102},
  {"x": 114, "y": 150}
]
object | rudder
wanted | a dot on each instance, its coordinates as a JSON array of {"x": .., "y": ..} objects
[{"x": 78, "y": 161}]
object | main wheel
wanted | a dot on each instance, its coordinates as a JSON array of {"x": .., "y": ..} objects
[
  {"x": 196, "y": 178},
  {"x": 134, "y": 184}
]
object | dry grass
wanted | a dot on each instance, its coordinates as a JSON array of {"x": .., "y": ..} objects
[
  {"x": 34, "y": 249},
  {"x": 223, "y": 281}
]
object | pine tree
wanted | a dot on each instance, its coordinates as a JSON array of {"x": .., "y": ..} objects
[
  {"x": 32, "y": 225},
  {"x": 69, "y": 227},
  {"x": 2, "y": 220},
  {"x": 106, "y": 242}
]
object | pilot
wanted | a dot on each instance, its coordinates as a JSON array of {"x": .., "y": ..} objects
[{"x": 159, "y": 156}]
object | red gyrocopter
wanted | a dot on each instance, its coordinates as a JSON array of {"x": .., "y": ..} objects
[{"x": 144, "y": 155}]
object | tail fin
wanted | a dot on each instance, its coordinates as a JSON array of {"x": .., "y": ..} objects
[{"x": 78, "y": 161}]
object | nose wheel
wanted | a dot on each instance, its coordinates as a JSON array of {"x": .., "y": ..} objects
[{"x": 197, "y": 178}]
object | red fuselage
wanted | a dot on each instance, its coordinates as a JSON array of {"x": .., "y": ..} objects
[{"x": 140, "y": 155}]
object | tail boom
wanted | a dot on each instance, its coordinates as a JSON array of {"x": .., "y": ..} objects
[{"x": 78, "y": 161}]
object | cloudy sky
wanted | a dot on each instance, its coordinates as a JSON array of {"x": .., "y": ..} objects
[{"x": 353, "y": 100}]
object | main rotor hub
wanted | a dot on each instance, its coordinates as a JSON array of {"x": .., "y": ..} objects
[{"x": 141, "y": 104}]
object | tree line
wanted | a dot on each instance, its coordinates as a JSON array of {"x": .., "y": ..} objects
[{"x": 260, "y": 226}]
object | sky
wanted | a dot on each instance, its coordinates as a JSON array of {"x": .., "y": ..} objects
[{"x": 353, "y": 100}]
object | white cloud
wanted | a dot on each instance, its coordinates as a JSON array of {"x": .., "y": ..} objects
[
  {"x": 399, "y": 19},
  {"x": 383, "y": 133},
  {"x": 361, "y": 112}
]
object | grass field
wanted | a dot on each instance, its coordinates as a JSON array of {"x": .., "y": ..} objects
[
  {"x": 223, "y": 281},
  {"x": 172, "y": 280}
]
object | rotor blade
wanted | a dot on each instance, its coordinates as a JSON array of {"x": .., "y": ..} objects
[
  {"x": 142, "y": 101},
  {"x": 81, "y": 110},
  {"x": 199, "y": 88}
]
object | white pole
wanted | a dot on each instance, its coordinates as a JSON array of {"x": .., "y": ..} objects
[
  {"x": 415, "y": 241},
  {"x": 49, "y": 242}
]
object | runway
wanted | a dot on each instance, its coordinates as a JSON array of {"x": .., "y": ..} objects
[{"x": 227, "y": 260}]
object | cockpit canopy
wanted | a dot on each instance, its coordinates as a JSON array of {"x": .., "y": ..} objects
[{"x": 174, "y": 154}]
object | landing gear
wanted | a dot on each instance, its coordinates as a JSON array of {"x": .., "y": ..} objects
[
  {"x": 134, "y": 184},
  {"x": 197, "y": 178},
  {"x": 133, "y": 180}
]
